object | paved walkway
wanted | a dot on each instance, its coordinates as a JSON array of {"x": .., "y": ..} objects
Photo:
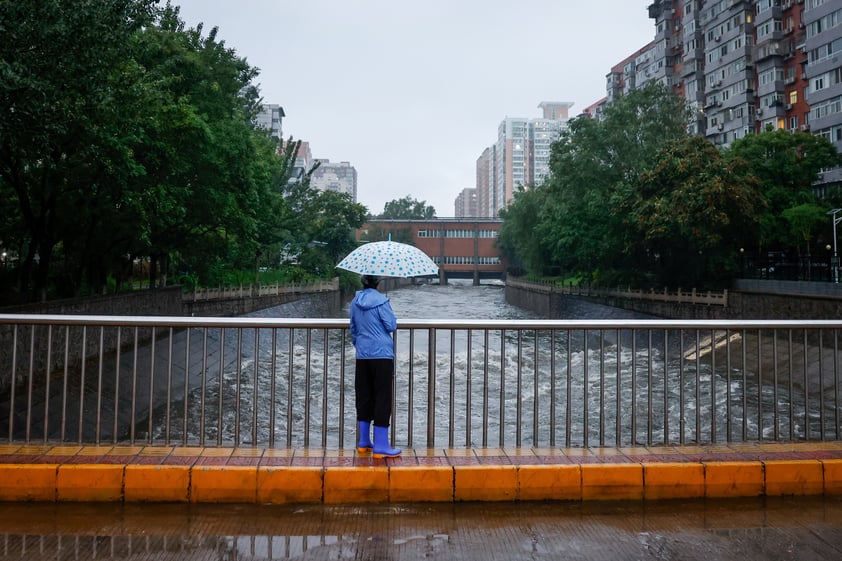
[
  {"x": 767, "y": 529},
  {"x": 747, "y": 501}
]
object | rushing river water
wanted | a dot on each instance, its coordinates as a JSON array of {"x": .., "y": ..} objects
[
  {"x": 470, "y": 384},
  {"x": 488, "y": 380},
  {"x": 479, "y": 381},
  {"x": 493, "y": 387}
]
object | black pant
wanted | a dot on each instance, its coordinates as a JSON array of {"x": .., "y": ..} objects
[{"x": 373, "y": 388}]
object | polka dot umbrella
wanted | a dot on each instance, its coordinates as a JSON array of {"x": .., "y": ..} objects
[{"x": 389, "y": 259}]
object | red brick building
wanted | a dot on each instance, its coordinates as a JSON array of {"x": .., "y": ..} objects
[{"x": 461, "y": 247}]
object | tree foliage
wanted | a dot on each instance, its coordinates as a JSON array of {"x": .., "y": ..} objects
[
  {"x": 68, "y": 78},
  {"x": 570, "y": 223},
  {"x": 408, "y": 208},
  {"x": 633, "y": 199},
  {"x": 690, "y": 213},
  {"x": 128, "y": 137},
  {"x": 786, "y": 164}
]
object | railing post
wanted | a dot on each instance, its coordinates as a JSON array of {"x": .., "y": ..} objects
[{"x": 431, "y": 388}]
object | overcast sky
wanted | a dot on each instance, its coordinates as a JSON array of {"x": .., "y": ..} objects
[{"x": 411, "y": 93}]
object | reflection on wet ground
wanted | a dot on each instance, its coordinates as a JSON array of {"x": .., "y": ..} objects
[{"x": 762, "y": 528}]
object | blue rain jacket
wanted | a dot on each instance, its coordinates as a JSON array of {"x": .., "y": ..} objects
[{"x": 372, "y": 321}]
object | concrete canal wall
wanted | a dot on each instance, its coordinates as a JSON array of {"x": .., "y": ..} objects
[
  {"x": 747, "y": 300},
  {"x": 27, "y": 351}
]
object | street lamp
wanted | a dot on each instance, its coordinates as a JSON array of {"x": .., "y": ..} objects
[{"x": 835, "y": 261}]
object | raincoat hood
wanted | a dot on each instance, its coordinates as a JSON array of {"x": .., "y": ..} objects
[
  {"x": 369, "y": 298},
  {"x": 372, "y": 322}
]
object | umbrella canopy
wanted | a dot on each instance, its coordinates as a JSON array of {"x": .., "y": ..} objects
[{"x": 389, "y": 259}]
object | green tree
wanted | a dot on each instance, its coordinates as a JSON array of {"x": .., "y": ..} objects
[
  {"x": 128, "y": 135},
  {"x": 67, "y": 75},
  {"x": 408, "y": 208},
  {"x": 786, "y": 165},
  {"x": 805, "y": 222},
  {"x": 691, "y": 212},
  {"x": 575, "y": 227},
  {"x": 334, "y": 219},
  {"x": 523, "y": 250},
  {"x": 277, "y": 220},
  {"x": 207, "y": 166}
]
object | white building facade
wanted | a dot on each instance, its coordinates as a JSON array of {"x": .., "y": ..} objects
[{"x": 339, "y": 177}]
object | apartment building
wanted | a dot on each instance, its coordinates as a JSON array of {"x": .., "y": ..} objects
[
  {"x": 270, "y": 118},
  {"x": 340, "y": 177},
  {"x": 542, "y": 133},
  {"x": 623, "y": 76},
  {"x": 520, "y": 157},
  {"x": 742, "y": 65},
  {"x": 730, "y": 90},
  {"x": 822, "y": 73},
  {"x": 512, "y": 159},
  {"x": 465, "y": 205},
  {"x": 747, "y": 65},
  {"x": 485, "y": 186}
]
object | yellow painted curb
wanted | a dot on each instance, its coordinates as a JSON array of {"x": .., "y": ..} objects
[
  {"x": 799, "y": 477},
  {"x": 277, "y": 485},
  {"x": 28, "y": 482},
  {"x": 223, "y": 484},
  {"x": 832, "y": 476},
  {"x": 673, "y": 480},
  {"x": 733, "y": 479},
  {"x": 157, "y": 483},
  {"x": 356, "y": 485},
  {"x": 485, "y": 483},
  {"x": 421, "y": 484},
  {"x": 89, "y": 482},
  {"x": 612, "y": 482},
  {"x": 549, "y": 482}
]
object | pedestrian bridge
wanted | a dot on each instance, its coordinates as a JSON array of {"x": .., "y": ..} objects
[
  {"x": 462, "y": 247},
  {"x": 217, "y": 409}
]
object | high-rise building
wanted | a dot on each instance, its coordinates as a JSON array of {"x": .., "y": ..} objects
[
  {"x": 692, "y": 70},
  {"x": 511, "y": 162},
  {"x": 594, "y": 110},
  {"x": 729, "y": 83},
  {"x": 821, "y": 24},
  {"x": 542, "y": 133},
  {"x": 521, "y": 156},
  {"x": 303, "y": 161},
  {"x": 466, "y": 203},
  {"x": 339, "y": 177},
  {"x": 485, "y": 184},
  {"x": 270, "y": 118},
  {"x": 744, "y": 66}
]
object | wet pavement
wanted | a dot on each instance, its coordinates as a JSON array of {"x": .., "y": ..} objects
[{"x": 771, "y": 528}]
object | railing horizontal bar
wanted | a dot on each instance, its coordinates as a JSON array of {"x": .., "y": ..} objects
[{"x": 409, "y": 323}]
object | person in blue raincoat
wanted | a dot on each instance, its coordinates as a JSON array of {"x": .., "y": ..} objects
[{"x": 372, "y": 325}]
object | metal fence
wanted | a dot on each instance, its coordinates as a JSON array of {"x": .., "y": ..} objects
[
  {"x": 252, "y": 291},
  {"x": 532, "y": 383}
]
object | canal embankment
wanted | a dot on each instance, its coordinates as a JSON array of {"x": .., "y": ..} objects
[
  {"x": 747, "y": 299},
  {"x": 32, "y": 351}
]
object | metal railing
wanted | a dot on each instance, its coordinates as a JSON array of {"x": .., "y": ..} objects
[
  {"x": 251, "y": 291},
  {"x": 537, "y": 383},
  {"x": 678, "y": 296}
]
